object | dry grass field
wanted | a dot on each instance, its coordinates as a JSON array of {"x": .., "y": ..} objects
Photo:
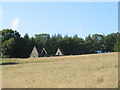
[{"x": 79, "y": 71}]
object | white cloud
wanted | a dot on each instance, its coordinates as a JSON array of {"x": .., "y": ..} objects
[{"x": 15, "y": 23}]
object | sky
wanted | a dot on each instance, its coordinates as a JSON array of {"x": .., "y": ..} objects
[{"x": 81, "y": 18}]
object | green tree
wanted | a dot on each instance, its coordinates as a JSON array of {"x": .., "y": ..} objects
[
  {"x": 9, "y": 42},
  {"x": 89, "y": 44},
  {"x": 13, "y": 45},
  {"x": 117, "y": 44},
  {"x": 97, "y": 42},
  {"x": 55, "y": 43},
  {"x": 9, "y": 33},
  {"x": 41, "y": 40},
  {"x": 109, "y": 42},
  {"x": 27, "y": 46},
  {"x": 8, "y": 48}
]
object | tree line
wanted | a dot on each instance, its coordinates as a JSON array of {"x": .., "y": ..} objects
[{"x": 15, "y": 46}]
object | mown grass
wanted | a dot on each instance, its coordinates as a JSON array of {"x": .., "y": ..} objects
[{"x": 10, "y": 61}]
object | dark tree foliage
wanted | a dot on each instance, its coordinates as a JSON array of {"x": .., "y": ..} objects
[
  {"x": 109, "y": 42},
  {"x": 117, "y": 44},
  {"x": 15, "y": 46},
  {"x": 9, "y": 43}
]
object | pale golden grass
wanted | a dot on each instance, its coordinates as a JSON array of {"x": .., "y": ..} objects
[{"x": 80, "y": 71}]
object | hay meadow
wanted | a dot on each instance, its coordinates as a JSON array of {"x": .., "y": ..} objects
[{"x": 77, "y": 71}]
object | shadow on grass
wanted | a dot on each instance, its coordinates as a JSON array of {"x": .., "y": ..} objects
[{"x": 8, "y": 63}]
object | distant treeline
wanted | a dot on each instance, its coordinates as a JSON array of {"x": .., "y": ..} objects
[{"x": 15, "y": 46}]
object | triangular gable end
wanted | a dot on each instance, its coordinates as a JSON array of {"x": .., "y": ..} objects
[
  {"x": 34, "y": 52},
  {"x": 44, "y": 51},
  {"x": 58, "y": 53}
]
